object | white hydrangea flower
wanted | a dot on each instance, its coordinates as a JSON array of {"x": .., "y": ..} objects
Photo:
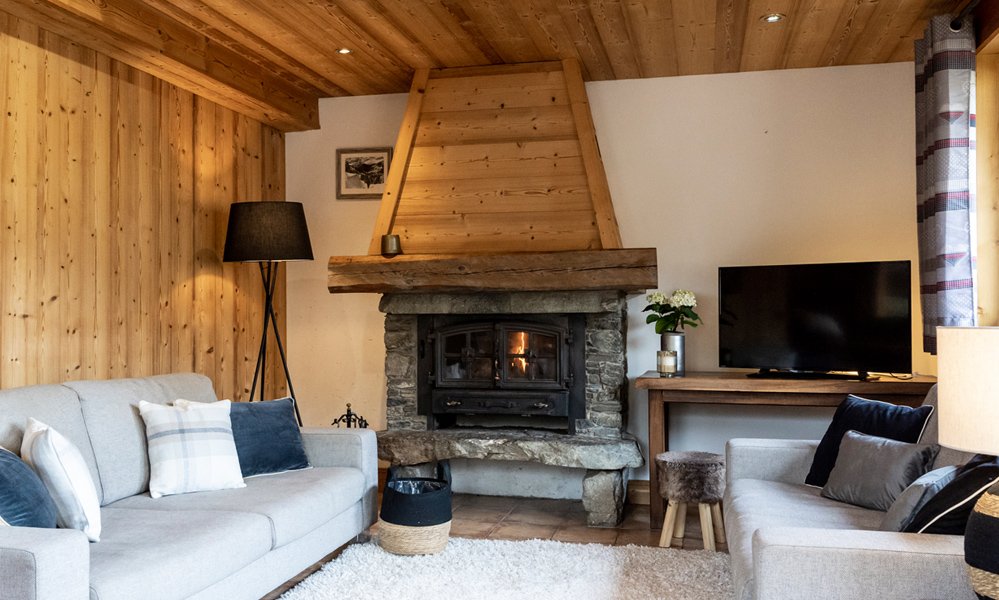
[
  {"x": 683, "y": 298},
  {"x": 656, "y": 297}
]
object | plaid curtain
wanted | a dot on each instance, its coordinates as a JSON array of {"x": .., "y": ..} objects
[{"x": 945, "y": 176}]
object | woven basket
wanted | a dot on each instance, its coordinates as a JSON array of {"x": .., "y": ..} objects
[{"x": 409, "y": 540}]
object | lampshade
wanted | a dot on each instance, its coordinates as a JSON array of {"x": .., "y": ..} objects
[
  {"x": 265, "y": 231},
  {"x": 968, "y": 388}
]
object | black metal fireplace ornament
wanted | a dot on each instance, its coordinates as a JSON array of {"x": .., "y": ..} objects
[{"x": 350, "y": 419}]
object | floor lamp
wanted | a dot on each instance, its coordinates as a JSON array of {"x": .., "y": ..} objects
[{"x": 268, "y": 233}]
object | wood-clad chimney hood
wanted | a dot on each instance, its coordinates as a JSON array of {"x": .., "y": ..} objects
[{"x": 496, "y": 184}]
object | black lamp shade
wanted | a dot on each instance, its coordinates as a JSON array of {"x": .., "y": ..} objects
[{"x": 267, "y": 231}]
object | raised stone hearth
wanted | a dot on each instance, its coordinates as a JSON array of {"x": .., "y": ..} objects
[
  {"x": 604, "y": 459},
  {"x": 557, "y": 450}
]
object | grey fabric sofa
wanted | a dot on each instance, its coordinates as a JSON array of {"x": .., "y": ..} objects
[
  {"x": 787, "y": 542},
  {"x": 226, "y": 544}
]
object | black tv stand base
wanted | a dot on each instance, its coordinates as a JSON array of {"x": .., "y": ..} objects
[{"x": 777, "y": 374}]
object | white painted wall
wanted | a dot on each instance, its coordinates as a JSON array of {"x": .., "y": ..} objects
[{"x": 808, "y": 165}]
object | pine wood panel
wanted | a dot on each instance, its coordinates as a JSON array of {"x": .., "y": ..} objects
[
  {"x": 114, "y": 194},
  {"x": 523, "y": 194},
  {"x": 505, "y": 124},
  {"x": 497, "y": 232},
  {"x": 499, "y": 160},
  {"x": 496, "y": 92},
  {"x": 987, "y": 97}
]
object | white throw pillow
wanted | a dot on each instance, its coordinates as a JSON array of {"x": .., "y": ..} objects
[
  {"x": 191, "y": 448},
  {"x": 62, "y": 469}
]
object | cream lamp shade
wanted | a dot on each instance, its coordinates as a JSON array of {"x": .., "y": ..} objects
[{"x": 968, "y": 388}]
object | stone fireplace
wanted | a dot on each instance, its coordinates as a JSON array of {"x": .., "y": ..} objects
[
  {"x": 531, "y": 377},
  {"x": 451, "y": 361},
  {"x": 488, "y": 357}
]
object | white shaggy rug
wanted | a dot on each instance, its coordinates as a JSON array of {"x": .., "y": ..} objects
[{"x": 535, "y": 569}]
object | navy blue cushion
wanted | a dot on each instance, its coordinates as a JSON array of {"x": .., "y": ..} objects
[
  {"x": 899, "y": 423},
  {"x": 267, "y": 436},
  {"x": 24, "y": 501},
  {"x": 947, "y": 512}
]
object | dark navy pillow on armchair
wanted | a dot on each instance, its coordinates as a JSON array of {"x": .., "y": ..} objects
[
  {"x": 899, "y": 423},
  {"x": 267, "y": 437},
  {"x": 24, "y": 501}
]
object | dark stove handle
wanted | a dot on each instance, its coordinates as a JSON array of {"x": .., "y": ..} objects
[{"x": 498, "y": 404}]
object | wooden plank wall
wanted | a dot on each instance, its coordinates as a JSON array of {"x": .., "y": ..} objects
[
  {"x": 497, "y": 159},
  {"x": 987, "y": 125},
  {"x": 114, "y": 194}
]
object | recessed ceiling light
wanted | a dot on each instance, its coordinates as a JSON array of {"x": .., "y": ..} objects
[
  {"x": 773, "y": 18},
  {"x": 344, "y": 51}
]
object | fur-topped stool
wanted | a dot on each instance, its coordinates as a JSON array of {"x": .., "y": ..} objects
[{"x": 686, "y": 478}]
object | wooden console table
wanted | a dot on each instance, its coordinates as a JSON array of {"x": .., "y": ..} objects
[{"x": 736, "y": 388}]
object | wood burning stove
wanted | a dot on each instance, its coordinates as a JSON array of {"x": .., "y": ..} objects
[{"x": 489, "y": 370}]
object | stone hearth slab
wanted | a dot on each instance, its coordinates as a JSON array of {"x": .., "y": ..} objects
[
  {"x": 547, "y": 448},
  {"x": 604, "y": 460}
]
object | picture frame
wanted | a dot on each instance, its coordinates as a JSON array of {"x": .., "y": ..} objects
[{"x": 361, "y": 173}]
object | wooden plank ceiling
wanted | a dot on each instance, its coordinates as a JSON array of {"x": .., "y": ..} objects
[{"x": 272, "y": 59}]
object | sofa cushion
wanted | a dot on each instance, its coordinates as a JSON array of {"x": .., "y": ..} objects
[
  {"x": 751, "y": 504},
  {"x": 111, "y": 414},
  {"x": 872, "y": 471},
  {"x": 948, "y": 510},
  {"x": 24, "y": 501},
  {"x": 66, "y": 477},
  {"x": 872, "y": 417},
  {"x": 295, "y": 502},
  {"x": 912, "y": 500},
  {"x": 55, "y": 405},
  {"x": 190, "y": 447},
  {"x": 154, "y": 554},
  {"x": 267, "y": 436}
]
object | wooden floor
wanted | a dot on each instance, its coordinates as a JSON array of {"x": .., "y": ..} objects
[{"x": 505, "y": 518}]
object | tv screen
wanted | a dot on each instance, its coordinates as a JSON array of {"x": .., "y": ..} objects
[{"x": 816, "y": 317}]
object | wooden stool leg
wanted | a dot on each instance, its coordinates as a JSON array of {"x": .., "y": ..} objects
[
  {"x": 681, "y": 523},
  {"x": 668, "y": 523},
  {"x": 719, "y": 523},
  {"x": 707, "y": 530}
]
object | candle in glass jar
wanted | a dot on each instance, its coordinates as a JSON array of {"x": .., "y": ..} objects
[{"x": 666, "y": 363}]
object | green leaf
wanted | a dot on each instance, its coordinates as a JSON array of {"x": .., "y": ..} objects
[{"x": 651, "y": 318}]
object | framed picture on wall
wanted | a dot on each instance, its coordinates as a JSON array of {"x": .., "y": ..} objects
[{"x": 361, "y": 172}]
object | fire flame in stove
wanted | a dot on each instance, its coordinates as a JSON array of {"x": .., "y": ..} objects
[{"x": 520, "y": 363}]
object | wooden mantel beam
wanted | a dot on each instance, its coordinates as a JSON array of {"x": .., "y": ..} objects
[
  {"x": 136, "y": 34},
  {"x": 628, "y": 269}
]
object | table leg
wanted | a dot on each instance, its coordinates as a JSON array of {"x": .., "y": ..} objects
[{"x": 658, "y": 443}]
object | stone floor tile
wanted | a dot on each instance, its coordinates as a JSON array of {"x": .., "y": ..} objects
[
  {"x": 637, "y": 537},
  {"x": 522, "y": 531},
  {"x": 471, "y": 528},
  {"x": 491, "y": 515},
  {"x": 537, "y": 516},
  {"x": 586, "y": 535}
]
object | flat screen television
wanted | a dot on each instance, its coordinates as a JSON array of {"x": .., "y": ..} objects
[{"x": 816, "y": 318}]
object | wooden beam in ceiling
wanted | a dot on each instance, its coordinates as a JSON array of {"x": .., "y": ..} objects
[{"x": 161, "y": 45}]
